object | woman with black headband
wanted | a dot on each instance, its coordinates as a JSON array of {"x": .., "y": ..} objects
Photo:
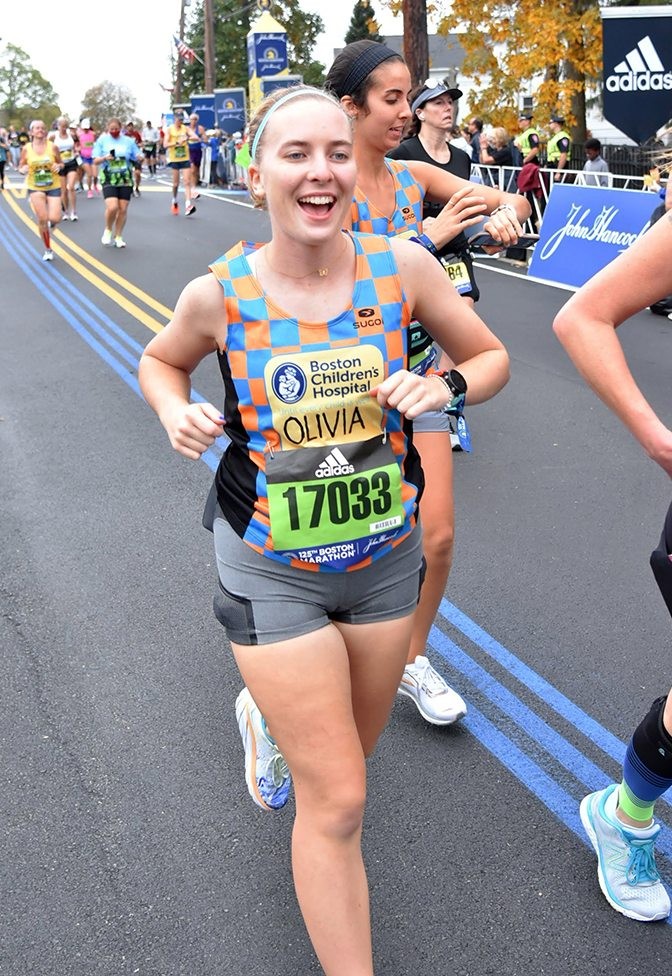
[{"x": 373, "y": 85}]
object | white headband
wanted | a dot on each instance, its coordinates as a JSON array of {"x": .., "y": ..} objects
[{"x": 281, "y": 101}]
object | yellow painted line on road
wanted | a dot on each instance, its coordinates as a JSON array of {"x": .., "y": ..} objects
[{"x": 112, "y": 293}]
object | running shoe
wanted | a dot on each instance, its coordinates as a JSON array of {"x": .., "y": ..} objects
[
  {"x": 435, "y": 699},
  {"x": 454, "y": 439},
  {"x": 89, "y": 194},
  {"x": 266, "y": 774},
  {"x": 97, "y": 190},
  {"x": 48, "y": 255},
  {"x": 626, "y": 868},
  {"x": 188, "y": 211},
  {"x": 106, "y": 239},
  {"x": 119, "y": 242},
  {"x": 195, "y": 196},
  {"x": 73, "y": 216},
  {"x": 174, "y": 209}
]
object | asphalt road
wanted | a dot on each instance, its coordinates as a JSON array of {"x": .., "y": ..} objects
[{"x": 131, "y": 845}]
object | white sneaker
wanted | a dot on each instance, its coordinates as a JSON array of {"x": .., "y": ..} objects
[
  {"x": 73, "y": 216},
  {"x": 106, "y": 239},
  {"x": 266, "y": 773},
  {"x": 48, "y": 255},
  {"x": 626, "y": 867},
  {"x": 119, "y": 242},
  {"x": 434, "y": 698}
]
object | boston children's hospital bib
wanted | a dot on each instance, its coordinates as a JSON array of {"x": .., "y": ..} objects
[{"x": 318, "y": 475}]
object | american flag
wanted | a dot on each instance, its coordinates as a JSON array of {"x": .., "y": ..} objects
[{"x": 184, "y": 50}]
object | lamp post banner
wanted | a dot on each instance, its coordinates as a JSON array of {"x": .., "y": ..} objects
[{"x": 637, "y": 60}]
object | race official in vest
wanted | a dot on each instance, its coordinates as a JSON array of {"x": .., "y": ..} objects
[
  {"x": 559, "y": 145},
  {"x": 528, "y": 142}
]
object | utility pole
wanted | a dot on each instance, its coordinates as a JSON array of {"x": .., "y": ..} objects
[
  {"x": 177, "y": 94},
  {"x": 416, "y": 45},
  {"x": 209, "y": 43}
]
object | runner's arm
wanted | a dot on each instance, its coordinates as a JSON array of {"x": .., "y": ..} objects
[
  {"x": 586, "y": 327},
  {"x": 170, "y": 358}
]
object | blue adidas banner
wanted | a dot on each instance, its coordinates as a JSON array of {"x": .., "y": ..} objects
[
  {"x": 586, "y": 227},
  {"x": 637, "y": 60}
]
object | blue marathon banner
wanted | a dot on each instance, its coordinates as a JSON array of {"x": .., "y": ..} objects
[
  {"x": 266, "y": 53},
  {"x": 204, "y": 107},
  {"x": 637, "y": 60},
  {"x": 230, "y": 109},
  {"x": 269, "y": 85},
  {"x": 586, "y": 227}
]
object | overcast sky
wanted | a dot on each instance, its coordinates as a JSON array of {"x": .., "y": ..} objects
[{"x": 78, "y": 47}]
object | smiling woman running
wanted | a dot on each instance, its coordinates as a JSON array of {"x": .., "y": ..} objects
[{"x": 315, "y": 518}]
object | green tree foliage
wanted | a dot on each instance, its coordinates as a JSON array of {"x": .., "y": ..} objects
[
  {"x": 24, "y": 93},
  {"x": 232, "y": 23},
  {"x": 106, "y": 101},
  {"x": 363, "y": 24}
]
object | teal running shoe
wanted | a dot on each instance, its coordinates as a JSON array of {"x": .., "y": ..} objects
[
  {"x": 266, "y": 773},
  {"x": 626, "y": 868}
]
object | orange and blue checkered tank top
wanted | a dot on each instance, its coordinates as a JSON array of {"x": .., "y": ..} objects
[
  {"x": 405, "y": 221},
  {"x": 317, "y": 474}
]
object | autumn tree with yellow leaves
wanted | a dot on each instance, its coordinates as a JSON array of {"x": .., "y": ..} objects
[{"x": 549, "y": 49}]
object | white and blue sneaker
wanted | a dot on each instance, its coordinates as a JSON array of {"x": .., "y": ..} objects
[
  {"x": 436, "y": 701},
  {"x": 626, "y": 868},
  {"x": 266, "y": 774}
]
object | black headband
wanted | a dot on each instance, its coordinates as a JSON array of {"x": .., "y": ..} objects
[{"x": 362, "y": 66}]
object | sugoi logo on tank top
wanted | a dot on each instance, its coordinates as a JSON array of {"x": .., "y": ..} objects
[
  {"x": 368, "y": 318},
  {"x": 408, "y": 214},
  {"x": 289, "y": 383},
  {"x": 640, "y": 70}
]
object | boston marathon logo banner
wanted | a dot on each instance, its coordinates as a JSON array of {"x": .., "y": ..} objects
[{"x": 637, "y": 62}]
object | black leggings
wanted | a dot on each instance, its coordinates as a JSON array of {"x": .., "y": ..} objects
[{"x": 2, "y": 172}]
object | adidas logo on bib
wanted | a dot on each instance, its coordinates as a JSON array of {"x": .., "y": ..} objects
[{"x": 335, "y": 463}]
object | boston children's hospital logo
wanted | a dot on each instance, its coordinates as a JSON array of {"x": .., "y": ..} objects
[
  {"x": 640, "y": 70},
  {"x": 289, "y": 383}
]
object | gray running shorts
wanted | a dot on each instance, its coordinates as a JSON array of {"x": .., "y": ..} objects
[
  {"x": 433, "y": 421},
  {"x": 261, "y": 601}
]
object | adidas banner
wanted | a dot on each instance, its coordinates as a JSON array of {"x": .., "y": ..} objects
[{"x": 637, "y": 63}]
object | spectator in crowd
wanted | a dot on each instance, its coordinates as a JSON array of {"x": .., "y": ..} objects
[
  {"x": 4, "y": 152},
  {"x": 458, "y": 140},
  {"x": 495, "y": 150},
  {"x": 528, "y": 142},
  {"x": 559, "y": 146},
  {"x": 475, "y": 127},
  {"x": 595, "y": 164}
]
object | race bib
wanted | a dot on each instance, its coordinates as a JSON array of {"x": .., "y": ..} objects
[
  {"x": 458, "y": 273},
  {"x": 180, "y": 152},
  {"x": 43, "y": 176},
  {"x": 334, "y": 486}
]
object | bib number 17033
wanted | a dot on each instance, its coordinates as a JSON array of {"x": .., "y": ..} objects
[{"x": 338, "y": 502}]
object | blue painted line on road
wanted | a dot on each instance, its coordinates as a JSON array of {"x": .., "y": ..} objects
[{"x": 608, "y": 742}]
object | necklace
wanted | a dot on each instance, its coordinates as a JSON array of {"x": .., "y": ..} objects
[{"x": 321, "y": 272}]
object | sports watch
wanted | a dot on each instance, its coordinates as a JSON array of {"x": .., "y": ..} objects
[{"x": 457, "y": 385}]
